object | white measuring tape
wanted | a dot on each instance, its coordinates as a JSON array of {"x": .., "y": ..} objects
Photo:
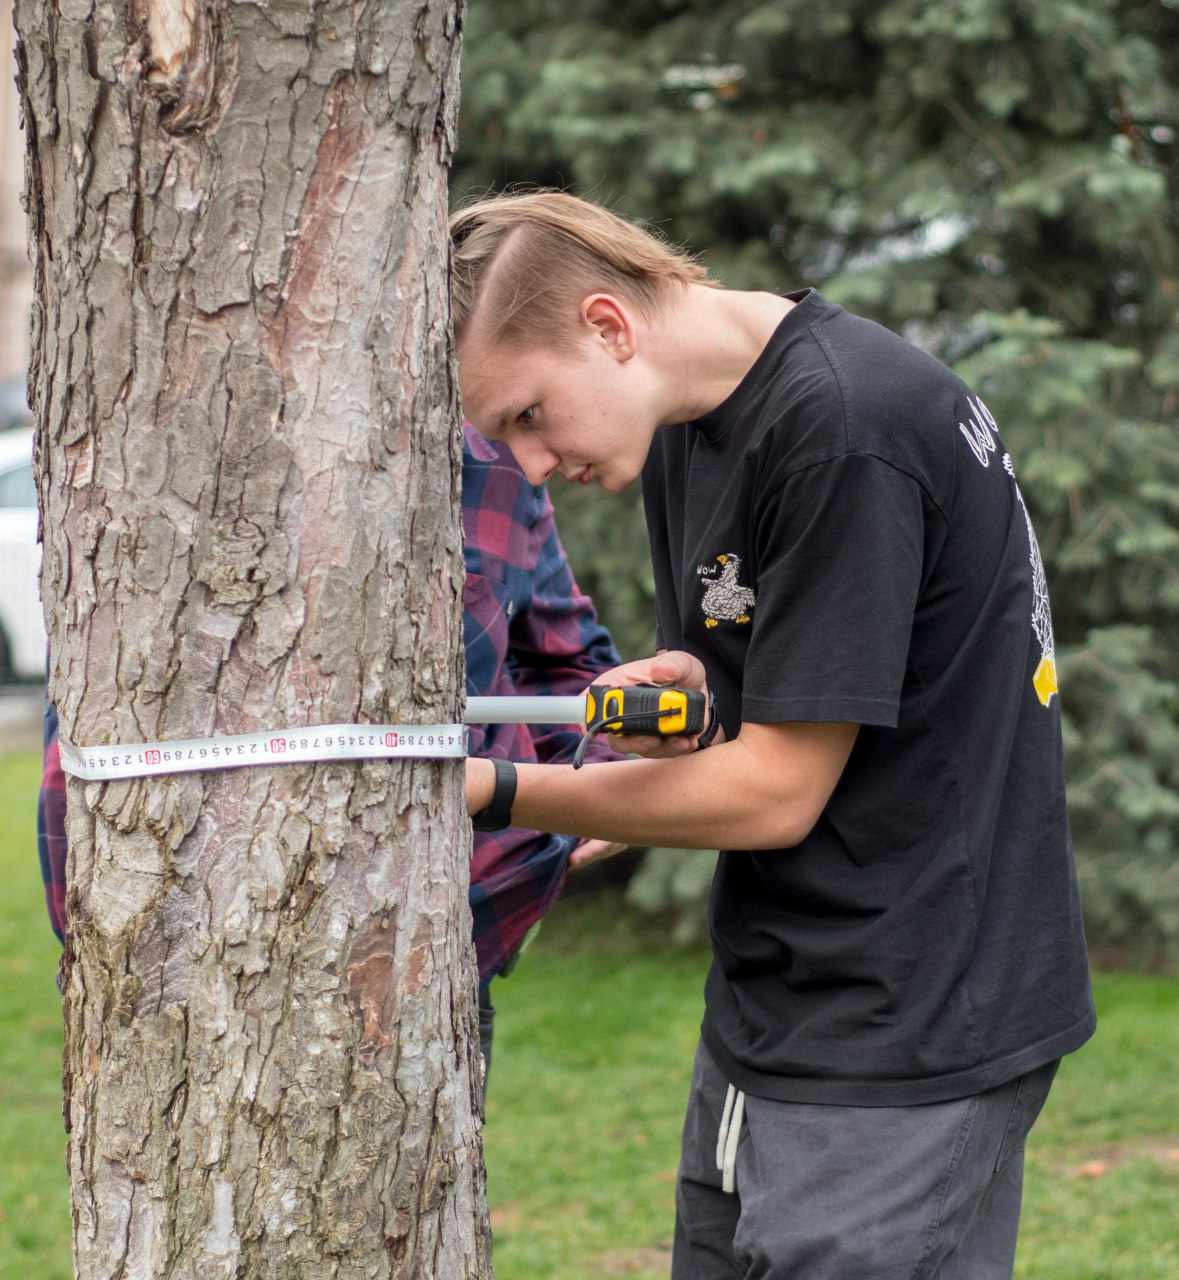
[
  {"x": 270, "y": 746},
  {"x": 319, "y": 742}
]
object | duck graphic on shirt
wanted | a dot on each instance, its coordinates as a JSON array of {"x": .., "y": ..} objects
[{"x": 725, "y": 599}]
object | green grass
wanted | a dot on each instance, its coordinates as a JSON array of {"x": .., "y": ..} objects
[
  {"x": 595, "y": 1038},
  {"x": 34, "y": 1199},
  {"x": 593, "y": 1046}
]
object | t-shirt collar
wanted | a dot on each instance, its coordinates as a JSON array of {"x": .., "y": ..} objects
[{"x": 717, "y": 423}]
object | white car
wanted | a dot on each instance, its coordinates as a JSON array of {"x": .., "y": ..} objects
[{"x": 22, "y": 624}]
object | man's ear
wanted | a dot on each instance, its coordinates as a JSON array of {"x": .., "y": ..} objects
[{"x": 611, "y": 323}]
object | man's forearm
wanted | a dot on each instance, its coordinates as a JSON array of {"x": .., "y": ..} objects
[{"x": 714, "y": 799}]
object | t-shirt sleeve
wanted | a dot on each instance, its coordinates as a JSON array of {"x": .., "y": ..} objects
[{"x": 839, "y": 563}]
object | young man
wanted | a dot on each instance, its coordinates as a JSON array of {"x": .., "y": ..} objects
[
  {"x": 843, "y": 556},
  {"x": 527, "y": 628}
]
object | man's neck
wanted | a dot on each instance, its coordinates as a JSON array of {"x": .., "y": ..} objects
[{"x": 708, "y": 342}]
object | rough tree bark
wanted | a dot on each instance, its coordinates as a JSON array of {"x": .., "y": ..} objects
[{"x": 248, "y": 464}]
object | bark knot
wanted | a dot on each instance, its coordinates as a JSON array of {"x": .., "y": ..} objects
[{"x": 183, "y": 38}]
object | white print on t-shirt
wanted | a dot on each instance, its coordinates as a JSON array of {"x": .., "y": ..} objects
[
  {"x": 980, "y": 431},
  {"x": 725, "y": 600},
  {"x": 1044, "y": 679}
]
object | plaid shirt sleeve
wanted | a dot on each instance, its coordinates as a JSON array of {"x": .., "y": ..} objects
[
  {"x": 51, "y": 833},
  {"x": 558, "y": 645},
  {"x": 528, "y": 629}
]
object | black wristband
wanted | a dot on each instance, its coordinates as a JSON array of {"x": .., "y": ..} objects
[
  {"x": 498, "y": 813},
  {"x": 709, "y": 732}
]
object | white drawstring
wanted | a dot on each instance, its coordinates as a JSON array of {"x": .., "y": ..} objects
[
  {"x": 728, "y": 1135},
  {"x": 722, "y": 1132}
]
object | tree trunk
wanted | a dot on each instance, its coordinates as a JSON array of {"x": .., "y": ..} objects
[{"x": 248, "y": 462}]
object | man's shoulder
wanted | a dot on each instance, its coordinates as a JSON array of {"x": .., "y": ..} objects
[{"x": 859, "y": 388}]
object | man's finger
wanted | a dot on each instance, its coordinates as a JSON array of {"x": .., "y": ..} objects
[
  {"x": 677, "y": 667},
  {"x": 671, "y": 667},
  {"x": 594, "y": 851},
  {"x": 651, "y": 745}
]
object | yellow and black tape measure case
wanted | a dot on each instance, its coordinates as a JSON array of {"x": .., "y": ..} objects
[{"x": 645, "y": 708}]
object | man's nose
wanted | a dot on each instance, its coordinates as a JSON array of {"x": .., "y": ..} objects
[{"x": 536, "y": 460}]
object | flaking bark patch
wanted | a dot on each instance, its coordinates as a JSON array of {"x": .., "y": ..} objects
[
  {"x": 370, "y": 981},
  {"x": 419, "y": 972},
  {"x": 311, "y": 298}
]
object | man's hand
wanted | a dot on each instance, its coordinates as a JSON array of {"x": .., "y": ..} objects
[
  {"x": 673, "y": 666},
  {"x": 589, "y": 851},
  {"x": 480, "y": 784}
]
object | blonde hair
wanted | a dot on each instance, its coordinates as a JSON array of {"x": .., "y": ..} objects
[{"x": 524, "y": 262}]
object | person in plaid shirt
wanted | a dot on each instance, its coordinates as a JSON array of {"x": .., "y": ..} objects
[{"x": 527, "y": 629}]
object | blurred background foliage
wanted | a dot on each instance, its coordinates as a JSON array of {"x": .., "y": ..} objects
[{"x": 996, "y": 180}]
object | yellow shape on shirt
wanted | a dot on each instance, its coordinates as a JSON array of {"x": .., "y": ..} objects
[{"x": 1044, "y": 681}]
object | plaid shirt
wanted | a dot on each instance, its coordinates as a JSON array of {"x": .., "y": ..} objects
[
  {"x": 51, "y": 837},
  {"x": 527, "y": 629}
]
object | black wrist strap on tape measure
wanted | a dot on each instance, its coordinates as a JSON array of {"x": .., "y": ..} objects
[
  {"x": 706, "y": 738},
  {"x": 639, "y": 722},
  {"x": 498, "y": 813}
]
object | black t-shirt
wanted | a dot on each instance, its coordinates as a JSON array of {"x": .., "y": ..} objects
[{"x": 843, "y": 539}]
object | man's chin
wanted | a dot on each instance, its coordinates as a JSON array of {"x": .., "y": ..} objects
[{"x": 614, "y": 483}]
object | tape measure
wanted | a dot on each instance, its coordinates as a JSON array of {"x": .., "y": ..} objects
[
  {"x": 641, "y": 708},
  {"x": 270, "y": 746},
  {"x": 637, "y": 708},
  {"x": 645, "y": 708}
]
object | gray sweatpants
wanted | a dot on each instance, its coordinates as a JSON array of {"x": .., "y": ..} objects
[{"x": 854, "y": 1193}]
